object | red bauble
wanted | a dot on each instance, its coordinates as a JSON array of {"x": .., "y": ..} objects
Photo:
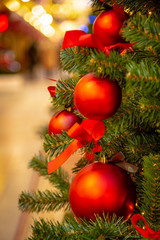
[
  {"x": 97, "y": 98},
  {"x": 63, "y": 120},
  {"x": 106, "y": 27},
  {"x": 102, "y": 188}
]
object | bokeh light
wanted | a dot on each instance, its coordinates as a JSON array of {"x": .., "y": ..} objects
[
  {"x": 38, "y": 11},
  {"x": 91, "y": 19},
  {"x": 46, "y": 19},
  {"x": 13, "y": 5},
  {"x": 48, "y": 31},
  {"x": 84, "y": 28}
]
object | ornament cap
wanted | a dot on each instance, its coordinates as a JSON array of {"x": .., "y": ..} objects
[{"x": 103, "y": 159}]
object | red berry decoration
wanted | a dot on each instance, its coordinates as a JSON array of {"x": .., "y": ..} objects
[
  {"x": 97, "y": 98},
  {"x": 107, "y": 27},
  {"x": 101, "y": 188},
  {"x": 63, "y": 120}
]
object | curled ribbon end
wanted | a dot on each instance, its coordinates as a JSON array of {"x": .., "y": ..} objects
[{"x": 148, "y": 232}]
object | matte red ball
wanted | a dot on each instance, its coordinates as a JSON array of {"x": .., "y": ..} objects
[
  {"x": 63, "y": 120},
  {"x": 101, "y": 188},
  {"x": 106, "y": 27},
  {"x": 97, "y": 98}
]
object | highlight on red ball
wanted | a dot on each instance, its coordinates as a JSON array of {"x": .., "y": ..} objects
[{"x": 3, "y": 22}]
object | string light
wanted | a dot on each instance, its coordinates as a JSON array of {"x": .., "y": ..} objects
[
  {"x": 41, "y": 18},
  {"x": 38, "y": 11},
  {"x": 80, "y": 5},
  {"x": 84, "y": 28},
  {"x": 46, "y": 19},
  {"x": 13, "y": 5},
  {"x": 48, "y": 31}
]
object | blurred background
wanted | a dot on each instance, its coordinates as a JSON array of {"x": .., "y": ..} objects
[{"x": 31, "y": 34}]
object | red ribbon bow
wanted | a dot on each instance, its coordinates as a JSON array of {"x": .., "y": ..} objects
[
  {"x": 148, "y": 232},
  {"x": 80, "y": 38},
  {"x": 86, "y": 132}
]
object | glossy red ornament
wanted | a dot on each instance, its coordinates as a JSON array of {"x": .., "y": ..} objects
[
  {"x": 97, "y": 98},
  {"x": 106, "y": 27},
  {"x": 102, "y": 188},
  {"x": 3, "y": 22},
  {"x": 63, "y": 120}
]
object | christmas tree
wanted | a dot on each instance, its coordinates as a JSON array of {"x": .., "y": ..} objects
[{"x": 108, "y": 107}]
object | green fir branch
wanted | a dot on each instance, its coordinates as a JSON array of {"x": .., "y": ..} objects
[
  {"x": 142, "y": 6},
  {"x": 64, "y": 93},
  {"x": 57, "y": 143},
  {"x": 95, "y": 61},
  {"x": 150, "y": 198},
  {"x": 131, "y": 7},
  {"x": 43, "y": 201},
  {"x": 80, "y": 164},
  {"x": 113, "y": 65},
  {"x": 75, "y": 58},
  {"x": 143, "y": 31},
  {"x": 133, "y": 144},
  {"x": 58, "y": 178},
  {"x": 144, "y": 76},
  {"x": 72, "y": 229},
  {"x": 99, "y": 5},
  {"x": 150, "y": 111}
]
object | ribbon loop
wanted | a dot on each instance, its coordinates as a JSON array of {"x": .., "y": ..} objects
[
  {"x": 148, "y": 232},
  {"x": 87, "y": 131}
]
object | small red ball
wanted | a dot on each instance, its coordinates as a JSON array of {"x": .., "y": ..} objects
[
  {"x": 63, "y": 120},
  {"x": 107, "y": 27},
  {"x": 97, "y": 98},
  {"x": 101, "y": 188}
]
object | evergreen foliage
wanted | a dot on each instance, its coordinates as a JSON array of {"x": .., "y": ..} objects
[
  {"x": 101, "y": 229},
  {"x": 133, "y": 130}
]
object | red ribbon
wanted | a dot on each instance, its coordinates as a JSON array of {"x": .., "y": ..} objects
[
  {"x": 80, "y": 38},
  {"x": 86, "y": 132},
  {"x": 52, "y": 91},
  {"x": 148, "y": 232}
]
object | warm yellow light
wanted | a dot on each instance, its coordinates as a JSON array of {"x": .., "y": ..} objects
[
  {"x": 46, "y": 19},
  {"x": 68, "y": 25},
  {"x": 80, "y": 5},
  {"x": 25, "y": 0},
  {"x": 65, "y": 9},
  {"x": 22, "y": 11},
  {"x": 32, "y": 19},
  {"x": 48, "y": 31},
  {"x": 28, "y": 16},
  {"x": 37, "y": 24},
  {"x": 38, "y": 11},
  {"x": 13, "y": 5}
]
